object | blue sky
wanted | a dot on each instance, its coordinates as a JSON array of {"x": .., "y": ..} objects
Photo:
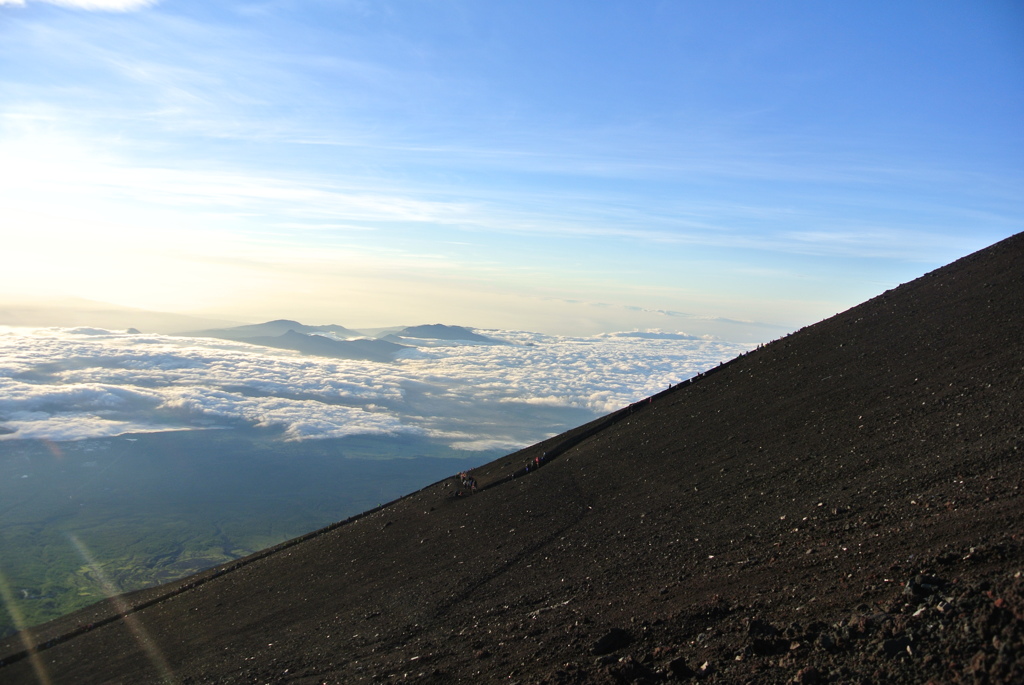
[{"x": 566, "y": 167}]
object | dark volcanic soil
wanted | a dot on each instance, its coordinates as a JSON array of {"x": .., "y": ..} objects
[{"x": 843, "y": 505}]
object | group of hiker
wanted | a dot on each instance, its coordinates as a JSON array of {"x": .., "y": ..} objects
[
  {"x": 468, "y": 484},
  {"x": 534, "y": 464}
]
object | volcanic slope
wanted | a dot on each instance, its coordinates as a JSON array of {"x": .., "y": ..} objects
[{"x": 841, "y": 505}]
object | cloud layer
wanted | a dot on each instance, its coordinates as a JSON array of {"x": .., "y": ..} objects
[{"x": 70, "y": 384}]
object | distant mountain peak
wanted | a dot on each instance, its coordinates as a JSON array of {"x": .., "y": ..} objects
[
  {"x": 270, "y": 328},
  {"x": 440, "y": 331},
  {"x": 292, "y": 335}
]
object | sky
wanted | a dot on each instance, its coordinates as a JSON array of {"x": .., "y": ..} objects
[
  {"x": 729, "y": 168},
  {"x": 78, "y": 383}
]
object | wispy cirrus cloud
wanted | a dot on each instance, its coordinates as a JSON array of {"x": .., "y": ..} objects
[
  {"x": 299, "y": 210},
  {"x": 236, "y": 141},
  {"x": 92, "y": 5}
]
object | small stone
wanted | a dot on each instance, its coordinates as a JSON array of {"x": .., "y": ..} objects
[
  {"x": 766, "y": 647},
  {"x": 757, "y": 627},
  {"x": 807, "y": 676},
  {"x": 680, "y": 669},
  {"x": 614, "y": 639},
  {"x": 630, "y": 670},
  {"x": 896, "y": 646},
  {"x": 825, "y": 642}
]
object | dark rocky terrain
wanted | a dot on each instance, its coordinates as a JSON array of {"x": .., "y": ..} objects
[{"x": 842, "y": 505}]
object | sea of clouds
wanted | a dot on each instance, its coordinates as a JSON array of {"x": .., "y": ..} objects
[{"x": 76, "y": 383}]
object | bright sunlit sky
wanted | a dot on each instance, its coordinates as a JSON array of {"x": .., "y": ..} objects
[{"x": 565, "y": 167}]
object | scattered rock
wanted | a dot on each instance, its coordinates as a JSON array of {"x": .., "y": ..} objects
[
  {"x": 825, "y": 641},
  {"x": 807, "y": 676},
  {"x": 921, "y": 586},
  {"x": 759, "y": 628},
  {"x": 896, "y": 646},
  {"x": 680, "y": 669},
  {"x": 629, "y": 670},
  {"x": 761, "y": 646},
  {"x": 613, "y": 640}
]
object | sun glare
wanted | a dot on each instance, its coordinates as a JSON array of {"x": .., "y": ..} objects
[
  {"x": 132, "y": 621},
  {"x": 24, "y": 632}
]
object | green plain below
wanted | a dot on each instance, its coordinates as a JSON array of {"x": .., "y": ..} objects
[{"x": 82, "y": 520}]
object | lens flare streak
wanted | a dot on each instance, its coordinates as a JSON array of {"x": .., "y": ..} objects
[
  {"x": 132, "y": 621},
  {"x": 23, "y": 632}
]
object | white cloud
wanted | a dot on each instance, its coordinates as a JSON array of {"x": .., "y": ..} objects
[
  {"x": 93, "y": 5},
  {"x": 75, "y": 426},
  {"x": 653, "y": 335},
  {"x": 66, "y": 384}
]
